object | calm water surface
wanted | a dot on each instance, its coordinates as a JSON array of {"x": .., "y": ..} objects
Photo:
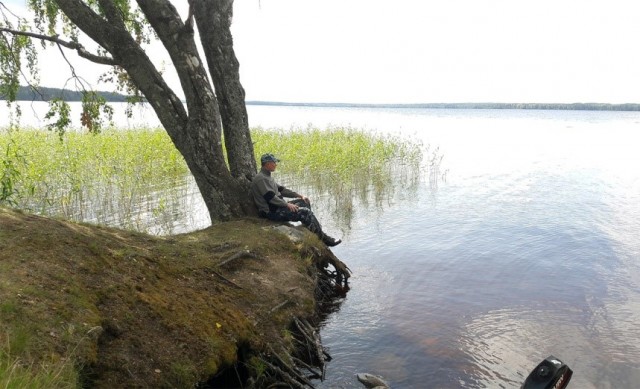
[
  {"x": 528, "y": 248},
  {"x": 525, "y": 245}
]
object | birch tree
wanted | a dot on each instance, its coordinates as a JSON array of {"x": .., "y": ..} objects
[{"x": 119, "y": 30}]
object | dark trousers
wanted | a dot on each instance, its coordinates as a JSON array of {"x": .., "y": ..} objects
[{"x": 304, "y": 215}]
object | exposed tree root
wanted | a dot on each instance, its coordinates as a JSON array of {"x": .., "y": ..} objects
[
  {"x": 225, "y": 279},
  {"x": 296, "y": 368},
  {"x": 331, "y": 283},
  {"x": 285, "y": 367},
  {"x": 300, "y": 360}
]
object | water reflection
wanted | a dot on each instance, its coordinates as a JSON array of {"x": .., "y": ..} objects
[
  {"x": 342, "y": 201},
  {"x": 173, "y": 207},
  {"x": 529, "y": 250}
]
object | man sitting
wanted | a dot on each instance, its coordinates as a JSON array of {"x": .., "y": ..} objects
[{"x": 269, "y": 198}]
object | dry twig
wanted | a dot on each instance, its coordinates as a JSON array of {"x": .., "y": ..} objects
[{"x": 239, "y": 254}]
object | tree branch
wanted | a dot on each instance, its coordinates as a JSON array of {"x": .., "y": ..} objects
[
  {"x": 112, "y": 13},
  {"x": 82, "y": 52},
  {"x": 132, "y": 58}
]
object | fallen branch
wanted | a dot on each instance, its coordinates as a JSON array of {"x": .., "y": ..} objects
[
  {"x": 239, "y": 254},
  {"x": 282, "y": 304},
  {"x": 226, "y": 279}
]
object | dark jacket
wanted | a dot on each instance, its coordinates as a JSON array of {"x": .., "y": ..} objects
[{"x": 267, "y": 194}]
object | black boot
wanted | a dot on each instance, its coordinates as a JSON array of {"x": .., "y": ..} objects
[{"x": 329, "y": 241}]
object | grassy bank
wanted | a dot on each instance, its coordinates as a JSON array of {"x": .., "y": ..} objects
[
  {"x": 101, "y": 307},
  {"x": 136, "y": 179}
]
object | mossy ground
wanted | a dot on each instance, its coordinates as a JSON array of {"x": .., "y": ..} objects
[{"x": 103, "y": 307}]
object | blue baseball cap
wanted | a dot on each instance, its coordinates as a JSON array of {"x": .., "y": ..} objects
[{"x": 268, "y": 158}]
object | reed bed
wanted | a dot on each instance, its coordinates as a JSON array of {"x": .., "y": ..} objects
[
  {"x": 339, "y": 151},
  {"x": 340, "y": 167},
  {"x": 136, "y": 179},
  {"x": 118, "y": 176}
]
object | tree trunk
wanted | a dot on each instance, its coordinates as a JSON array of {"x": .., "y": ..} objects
[
  {"x": 213, "y": 18},
  {"x": 197, "y": 135}
]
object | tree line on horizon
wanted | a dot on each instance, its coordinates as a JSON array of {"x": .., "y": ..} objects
[
  {"x": 27, "y": 93},
  {"x": 538, "y": 106}
]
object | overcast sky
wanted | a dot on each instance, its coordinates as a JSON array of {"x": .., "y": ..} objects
[
  {"x": 424, "y": 51},
  {"x": 410, "y": 51}
]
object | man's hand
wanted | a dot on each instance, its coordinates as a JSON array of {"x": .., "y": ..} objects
[
  {"x": 292, "y": 207},
  {"x": 305, "y": 199}
]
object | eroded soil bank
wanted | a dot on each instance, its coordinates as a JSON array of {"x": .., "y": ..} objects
[{"x": 124, "y": 309}]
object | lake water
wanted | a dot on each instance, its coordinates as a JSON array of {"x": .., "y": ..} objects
[
  {"x": 525, "y": 245},
  {"x": 528, "y": 248}
]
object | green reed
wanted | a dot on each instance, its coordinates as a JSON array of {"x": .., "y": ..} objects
[
  {"x": 340, "y": 152},
  {"x": 340, "y": 166},
  {"x": 137, "y": 179},
  {"x": 94, "y": 177}
]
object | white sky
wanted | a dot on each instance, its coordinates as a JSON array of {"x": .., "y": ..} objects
[
  {"x": 423, "y": 51},
  {"x": 409, "y": 51}
]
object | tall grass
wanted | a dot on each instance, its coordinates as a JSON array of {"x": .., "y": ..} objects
[
  {"x": 102, "y": 177},
  {"x": 341, "y": 166},
  {"x": 136, "y": 179},
  {"x": 340, "y": 151},
  {"x": 16, "y": 374}
]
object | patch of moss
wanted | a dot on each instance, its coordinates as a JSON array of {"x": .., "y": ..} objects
[{"x": 112, "y": 306}]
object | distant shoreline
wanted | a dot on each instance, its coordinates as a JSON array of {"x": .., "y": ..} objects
[
  {"x": 532, "y": 106},
  {"x": 46, "y": 94}
]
